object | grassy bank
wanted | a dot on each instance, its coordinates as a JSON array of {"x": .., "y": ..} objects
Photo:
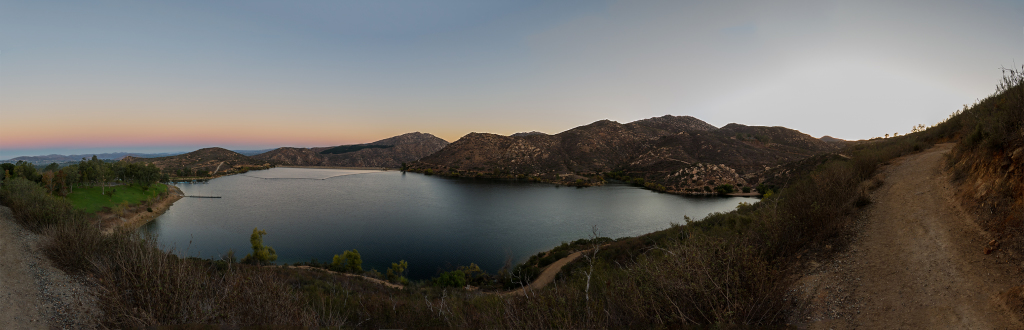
[{"x": 92, "y": 199}]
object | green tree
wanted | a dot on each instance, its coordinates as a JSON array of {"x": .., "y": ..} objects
[
  {"x": 261, "y": 254},
  {"x": 725, "y": 189},
  {"x": 396, "y": 271},
  {"x": 48, "y": 181},
  {"x": 348, "y": 261},
  {"x": 455, "y": 279},
  {"x": 26, "y": 170},
  {"x": 73, "y": 175},
  {"x": 53, "y": 167}
]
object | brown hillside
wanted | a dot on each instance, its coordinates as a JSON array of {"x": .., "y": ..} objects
[
  {"x": 292, "y": 156},
  {"x": 209, "y": 159},
  {"x": 390, "y": 152},
  {"x": 683, "y": 153}
]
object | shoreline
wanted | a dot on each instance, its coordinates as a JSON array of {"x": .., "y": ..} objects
[
  {"x": 141, "y": 217},
  {"x": 341, "y": 167}
]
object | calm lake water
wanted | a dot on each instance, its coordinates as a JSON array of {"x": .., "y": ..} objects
[{"x": 433, "y": 223}]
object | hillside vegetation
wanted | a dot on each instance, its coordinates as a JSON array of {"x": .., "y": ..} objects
[{"x": 988, "y": 163}]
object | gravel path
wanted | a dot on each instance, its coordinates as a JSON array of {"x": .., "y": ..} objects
[
  {"x": 916, "y": 261},
  {"x": 33, "y": 293}
]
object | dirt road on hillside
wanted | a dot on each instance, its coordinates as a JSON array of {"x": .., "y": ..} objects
[
  {"x": 915, "y": 261},
  {"x": 33, "y": 293}
]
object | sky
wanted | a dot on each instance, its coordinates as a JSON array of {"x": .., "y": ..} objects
[{"x": 140, "y": 76}]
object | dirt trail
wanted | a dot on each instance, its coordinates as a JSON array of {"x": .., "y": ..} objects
[
  {"x": 548, "y": 275},
  {"x": 916, "y": 262},
  {"x": 19, "y": 302},
  {"x": 33, "y": 293}
]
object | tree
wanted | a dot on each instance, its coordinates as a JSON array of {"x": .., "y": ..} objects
[
  {"x": 455, "y": 278},
  {"x": 348, "y": 261},
  {"x": 6, "y": 171},
  {"x": 61, "y": 182},
  {"x": 260, "y": 254},
  {"x": 396, "y": 271},
  {"x": 53, "y": 167},
  {"x": 725, "y": 189},
  {"x": 72, "y": 175},
  {"x": 47, "y": 178},
  {"x": 26, "y": 170},
  {"x": 103, "y": 174}
]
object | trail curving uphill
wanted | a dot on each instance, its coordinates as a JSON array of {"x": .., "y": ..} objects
[
  {"x": 916, "y": 262},
  {"x": 548, "y": 275}
]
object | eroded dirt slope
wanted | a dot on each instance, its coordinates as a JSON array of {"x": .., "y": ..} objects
[{"x": 916, "y": 262}]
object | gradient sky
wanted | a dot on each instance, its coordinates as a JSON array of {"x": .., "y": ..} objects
[{"x": 142, "y": 76}]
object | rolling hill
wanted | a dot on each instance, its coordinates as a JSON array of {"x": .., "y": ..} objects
[
  {"x": 390, "y": 152},
  {"x": 682, "y": 154}
]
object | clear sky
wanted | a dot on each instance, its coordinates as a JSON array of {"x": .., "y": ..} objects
[{"x": 152, "y": 76}]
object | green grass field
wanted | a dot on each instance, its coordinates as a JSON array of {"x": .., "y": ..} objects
[{"x": 92, "y": 200}]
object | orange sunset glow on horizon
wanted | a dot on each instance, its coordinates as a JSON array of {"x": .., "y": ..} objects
[{"x": 87, "y": 77}]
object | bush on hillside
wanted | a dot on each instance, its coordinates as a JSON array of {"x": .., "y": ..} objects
[{"x": 261, "y": 254}]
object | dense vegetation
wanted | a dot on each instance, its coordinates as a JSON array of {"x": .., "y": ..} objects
[{"x": 729, "y": 268}]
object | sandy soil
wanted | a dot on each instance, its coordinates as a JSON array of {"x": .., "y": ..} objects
[
  {"x": 33, "y": 293},
  {"x": 914, "y": 261}
]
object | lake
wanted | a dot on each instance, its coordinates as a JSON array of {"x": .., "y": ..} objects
[{"x": 434, "y": 223}]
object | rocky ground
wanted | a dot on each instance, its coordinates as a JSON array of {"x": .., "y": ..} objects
[
  {"x": 33, "y": 293},
  {"x": 914, "y": 260}
]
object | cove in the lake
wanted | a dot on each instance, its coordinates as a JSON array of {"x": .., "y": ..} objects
[{"x": 433, "y": 223}]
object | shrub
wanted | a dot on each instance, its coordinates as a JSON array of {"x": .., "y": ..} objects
[
  {"x": 725, "y": 189},
  {"x": 396, "y": 272},
  {"x": 348, "y": 261},
  {"x": 36, "y": 209},
  {"x": 455, "y": 278},
  {"x": 260, "y": 254}
]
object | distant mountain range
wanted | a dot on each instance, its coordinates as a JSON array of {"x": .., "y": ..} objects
[
  {"x": 389, "y": 153},
  {"x": 55, "y": 158},
  {"x": 47, "y": 159},
  {"x": 682, "y": 154}
]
